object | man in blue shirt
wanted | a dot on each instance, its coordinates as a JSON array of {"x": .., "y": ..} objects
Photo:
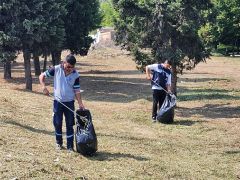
[
  {"x": 66, "y": 88},
  {"x": 160, "y": 76}
]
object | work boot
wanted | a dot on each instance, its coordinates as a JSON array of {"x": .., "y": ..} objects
[
  {"x": 70, "y": 150},
  {"x": 58, "y": 147},
  {"x": 154, "y": 119}
]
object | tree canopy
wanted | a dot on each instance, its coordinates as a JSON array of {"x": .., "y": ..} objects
[
  {"x": 39, "y": 27},
  {"x": 225, "y": 27},
  {"x": 82, "y": 18},
  {"x": 8, "y": 37},
  {"x": 157, "y": 30},
  {"x": 108, "y": 14}
]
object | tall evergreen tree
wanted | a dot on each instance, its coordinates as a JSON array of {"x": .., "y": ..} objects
[
  {"x": 46, "y": 26},
  {"x": 35, "y": 25},
  {"x": 83, "y": 17},
  {"x": 38, "y": 29},
  {"x": 156, "y": 30},
  {"x": 54, "y": 36},
  {"x": 8, "y": 40}
]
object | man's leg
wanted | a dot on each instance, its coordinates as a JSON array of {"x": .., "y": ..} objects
[
  {"x": 57, "y": 121},
  {"x": 155, "y": 103},
  {"x": 69, "y": 118},
  {"x": 161, "y": 97}
]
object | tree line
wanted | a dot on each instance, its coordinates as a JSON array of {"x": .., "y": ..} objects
[
  {"x": 184, "y": 31},
  {"x": 45, "y": 27}
]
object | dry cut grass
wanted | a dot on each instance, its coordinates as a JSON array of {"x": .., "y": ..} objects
[{"x": 203, "y": 142}]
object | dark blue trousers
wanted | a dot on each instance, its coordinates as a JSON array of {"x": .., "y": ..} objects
[
  {"x": 158, "y": 99},
  {"x": 59, "y": 110}
]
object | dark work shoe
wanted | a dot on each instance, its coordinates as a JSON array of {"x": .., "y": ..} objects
[
  {"x": 154, "y": 119},
  {"x": 58, "y": 147},
  {"x": 70, "y": 150}
]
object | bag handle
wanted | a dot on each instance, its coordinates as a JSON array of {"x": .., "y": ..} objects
[
  {"x": 84, "y": 119},
  {"x": 159, "y": 86}
]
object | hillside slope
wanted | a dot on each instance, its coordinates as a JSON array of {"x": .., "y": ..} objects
[{"x": 203, "y": 142}]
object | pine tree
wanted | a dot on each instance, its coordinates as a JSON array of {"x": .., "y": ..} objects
[
  {"x": 8, "y": 40},
  {"x": 156, "y": 30},
  {"x": 41, "y": 27},
  {"x": 34, "y": 25},
  {"x": 83, "y": 17}
]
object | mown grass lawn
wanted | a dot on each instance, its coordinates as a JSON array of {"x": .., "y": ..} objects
[{"x": 202, "y": 143}]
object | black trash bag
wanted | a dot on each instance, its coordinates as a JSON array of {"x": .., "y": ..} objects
[
  {"x": 86, "y": 139},
  {"x": 166, "y": 112}
]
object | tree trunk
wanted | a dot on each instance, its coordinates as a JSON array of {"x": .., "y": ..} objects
[
  {"x": 36, "y": 64},
  {"x": 237, "y": 44},
  {"x": 174, "y": 79},
  {"x": 27, "y": 67},
  {"x": 53, "y": 58},
  {"x": 7, "y": 70},
  {"x": 44, "y": 63},
  {"x": 56, "y": 57}
]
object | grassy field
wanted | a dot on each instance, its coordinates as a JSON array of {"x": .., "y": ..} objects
[{"x": 203, "y": 142}]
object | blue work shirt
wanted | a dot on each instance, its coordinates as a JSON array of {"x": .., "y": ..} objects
[
  {"x": 65, "y": 86},
  {"x": 161, "y": 76}
]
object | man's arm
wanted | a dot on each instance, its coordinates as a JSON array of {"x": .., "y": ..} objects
[
  {"x": 148, "y": 73},
  {"x": 42, "y": 82},
  {"x": 49, "y": 73},
  {"x": 169, "y": 89},
  {"x": 169, "y": 83},
  {"x": 76, "y": 88},
  {"x": 79, "y": 99}
]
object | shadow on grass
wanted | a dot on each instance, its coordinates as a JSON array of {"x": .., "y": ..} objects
[
  {"x": 29, "y": 128},
  {"x": 127, "y": 138},
  {"x": 118, "y": 72},
  {"x": 103, "y": 88},
  {"x": 185, "y": 122},
  {"x": 194, "y": 97},
  {"x": 205, "y": 90},
  {"x": 213, "y": 111},
  {"x": 107, "y": 156},
  {"x": 199, "y": 73},
  {"x": 203, "y": 79},
  {"x": 232, "y": 152},
  {"x": 124, "y": 90},
  {"x": 19, "y": 66},
  {"x": 99, "y": 86},
  {"x": 21, "y": 80},
  {"x": 201, "y": 94},
  {"x": 114, "y": 89}
]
